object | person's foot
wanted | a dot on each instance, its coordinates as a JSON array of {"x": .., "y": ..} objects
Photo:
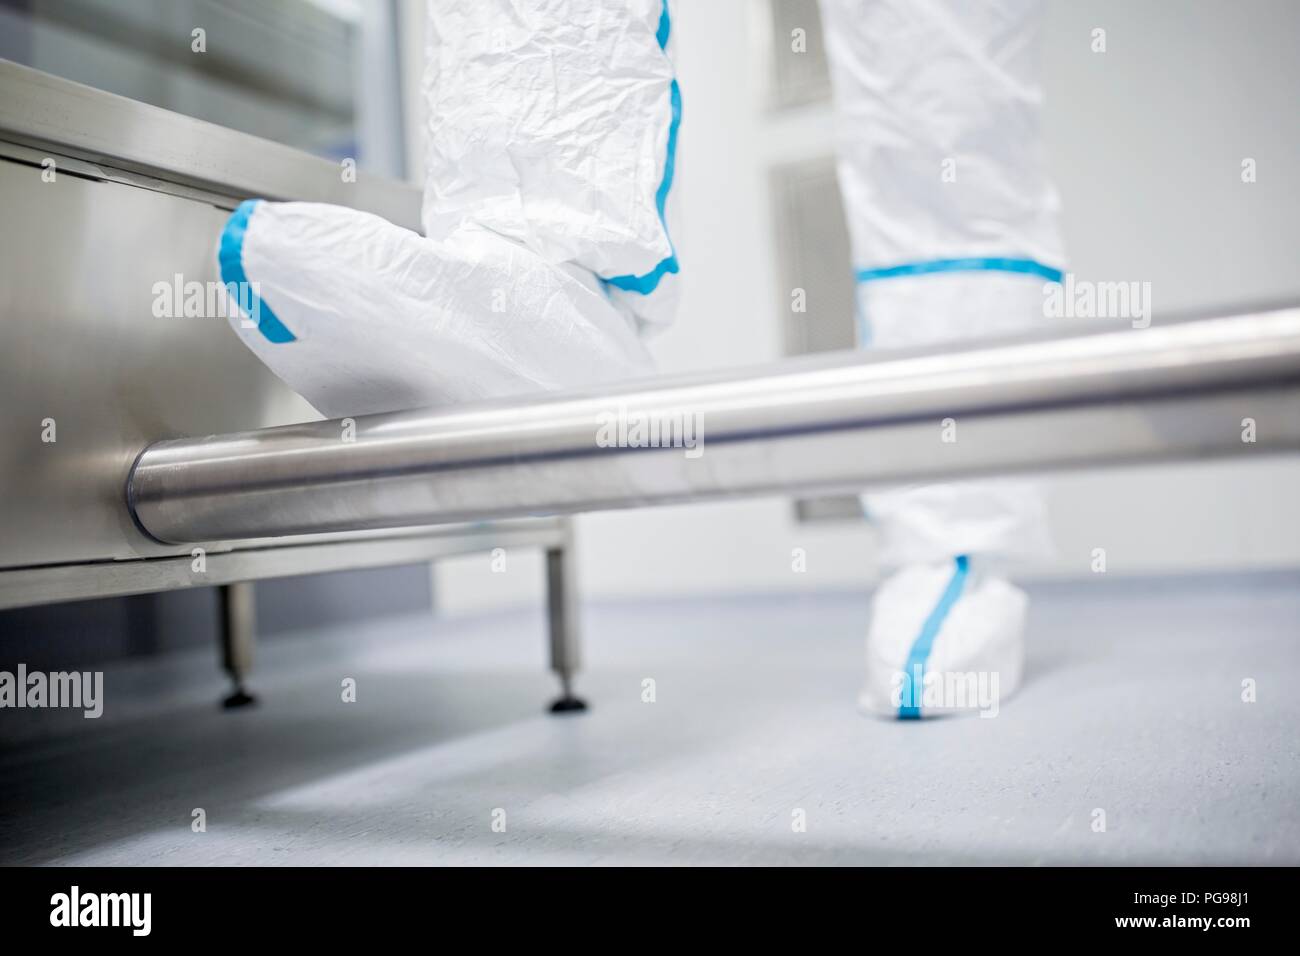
[
  {"x": 943, "y": 639},
  {"x": 358, "y": 315}
]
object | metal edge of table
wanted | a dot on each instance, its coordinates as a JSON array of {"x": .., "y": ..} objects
[
  {"x": 100, "y": 135},
  {"x": 42, "y": 111},
  {"x": 54, "y": 584}
]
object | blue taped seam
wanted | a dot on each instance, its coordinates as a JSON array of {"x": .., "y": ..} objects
[
  {"x": 914, "y": 669},
  {"x": 970, "y": 264},
  {"x": 230, "y": 256},
  {"x": 647, "y": 283}
]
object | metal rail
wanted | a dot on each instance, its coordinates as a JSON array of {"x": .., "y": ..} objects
[
  {"x": 53, "y": 116},
  {"x": 845, "y": 422}
]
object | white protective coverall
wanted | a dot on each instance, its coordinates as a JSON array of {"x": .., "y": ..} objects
[
  {"x": 552, "y": 129},
  {"x": 953, "y": 224}
]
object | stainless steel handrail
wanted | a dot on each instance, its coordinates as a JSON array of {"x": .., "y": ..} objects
[{"x": 1171, "y": 391}]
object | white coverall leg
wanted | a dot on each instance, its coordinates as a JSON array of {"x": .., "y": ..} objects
[
  {"x": 953, "y": 221},
  {"x": 552, "y": 128}
]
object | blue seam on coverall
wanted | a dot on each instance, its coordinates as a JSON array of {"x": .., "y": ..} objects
[
  {"x": 230, "y": 255},
  {"x": 649, "y": 282},
  {"x": 914, "y": 670},
  {"x": 970, "y": 264}
]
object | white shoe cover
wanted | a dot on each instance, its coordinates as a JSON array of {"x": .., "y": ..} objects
[
  {"x": 943, "y": 640},
  {"x": 551, "y": 136},
  {"x": 358, "y": 315}
]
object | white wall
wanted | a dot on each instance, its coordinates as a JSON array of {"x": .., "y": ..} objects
[{"x": 1146, "y": 142}]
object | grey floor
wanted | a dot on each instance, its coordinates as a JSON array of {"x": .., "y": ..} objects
[{"x": 1132, "y": 705}]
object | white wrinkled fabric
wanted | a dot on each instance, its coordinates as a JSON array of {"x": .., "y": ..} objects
[
  {"x": 549, "y": 132},
  {"x": 385, "y": 319},
  {"x": 923, "y": 88},
  {"x": 549, "y": 123},
  {"x": 918, "y": 82},
  {"x": 1002, "y": 517}
]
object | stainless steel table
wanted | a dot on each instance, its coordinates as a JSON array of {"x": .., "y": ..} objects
[{"x": 102, "y": 197}]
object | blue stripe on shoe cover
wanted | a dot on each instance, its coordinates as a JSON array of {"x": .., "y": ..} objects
[{"x": 914, "y": 670}]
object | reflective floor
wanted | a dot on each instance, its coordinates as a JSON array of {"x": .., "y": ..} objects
[{"x": 1132, "y": 706}]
